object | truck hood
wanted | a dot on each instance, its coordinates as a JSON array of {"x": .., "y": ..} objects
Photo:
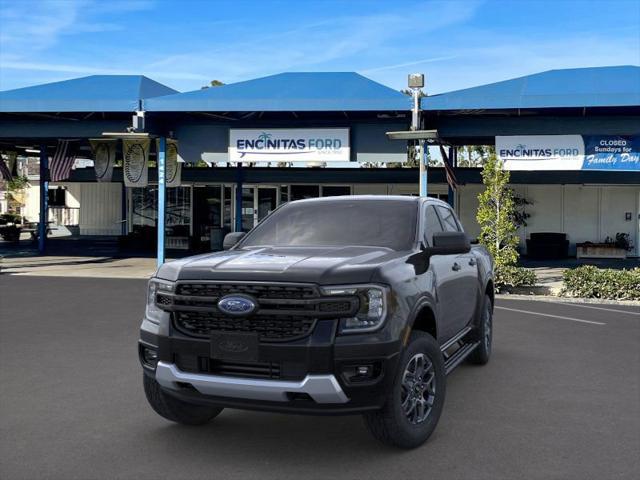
[{"x": 321, "y": 265}]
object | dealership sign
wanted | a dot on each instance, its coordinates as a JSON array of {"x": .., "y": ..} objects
[
  {"x": 289, "y": 145},
  {"x": 541, "y": 152},
  {"x": 569, "y": 152},
  {"x": 611, "y": 153}
]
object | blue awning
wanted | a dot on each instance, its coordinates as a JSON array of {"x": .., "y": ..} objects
[
  {"x": 288, "y": 92},
  {"x": 96, "y": 93},
  {"x": 577, "y": 87}
]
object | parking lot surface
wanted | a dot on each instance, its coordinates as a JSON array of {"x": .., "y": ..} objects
[{"x": 559, "y": 399}]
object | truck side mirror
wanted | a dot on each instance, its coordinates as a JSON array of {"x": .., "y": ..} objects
[
  {"x": 230, "y": 239},
  {"x": 445, "y": 243}
]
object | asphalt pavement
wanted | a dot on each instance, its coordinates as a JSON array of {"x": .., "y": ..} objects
[{"x": 560, "y": 399}]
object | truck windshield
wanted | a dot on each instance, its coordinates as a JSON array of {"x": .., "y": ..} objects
[{"x": 380, "y": 223}]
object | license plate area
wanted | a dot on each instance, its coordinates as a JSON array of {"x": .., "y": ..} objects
[{"x": 242, "y": 346}]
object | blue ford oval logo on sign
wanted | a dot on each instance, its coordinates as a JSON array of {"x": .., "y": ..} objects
[{"x": 236, "y": 305}]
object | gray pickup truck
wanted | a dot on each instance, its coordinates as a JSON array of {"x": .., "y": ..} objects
[{"x": 339, "y": 305}]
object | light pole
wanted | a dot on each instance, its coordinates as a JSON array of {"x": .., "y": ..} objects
[{"x": 416, "y": 83}]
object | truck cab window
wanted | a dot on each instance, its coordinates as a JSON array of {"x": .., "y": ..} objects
[
  {"x": 432, "y": 224},
  {"x": 449, "y": 221}
]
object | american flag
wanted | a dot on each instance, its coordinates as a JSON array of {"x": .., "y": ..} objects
[
  {"x": 62, "y": 161},
  {"x": 451, "y": 176},
  {"x": 4, "y": 170}
]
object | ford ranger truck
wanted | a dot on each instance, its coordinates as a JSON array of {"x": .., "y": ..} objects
[{"x": 337, "y": 305}]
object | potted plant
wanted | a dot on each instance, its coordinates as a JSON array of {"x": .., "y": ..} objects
[{"x": 617, "y": 247}]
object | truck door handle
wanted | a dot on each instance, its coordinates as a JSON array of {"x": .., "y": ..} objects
[
  {"x": 456, "y": 267},
  {"x": 472, "y": 262}
]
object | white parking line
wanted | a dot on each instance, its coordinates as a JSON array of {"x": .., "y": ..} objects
[
  {"x": 549, "y": 315},
  {"x": 570, "y": 304}
]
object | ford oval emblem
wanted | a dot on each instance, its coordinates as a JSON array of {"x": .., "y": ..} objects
[{"x": 236, "y": 305}]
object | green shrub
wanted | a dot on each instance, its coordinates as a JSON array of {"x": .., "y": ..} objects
[
  {"x": 511, "y": 276},
  {"x": 592, "y": 282}
]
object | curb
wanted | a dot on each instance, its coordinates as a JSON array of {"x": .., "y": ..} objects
[{"x": 556, "y": 299}]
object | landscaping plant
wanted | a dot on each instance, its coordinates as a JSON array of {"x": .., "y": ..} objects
[
  {"x": 498, "y": 228},
  {"x": 593, "y": 282}
]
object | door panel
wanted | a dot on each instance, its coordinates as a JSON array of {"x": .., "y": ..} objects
[{"x": 462, "y": 288}]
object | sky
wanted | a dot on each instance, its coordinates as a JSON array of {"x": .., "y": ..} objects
[{"x": 185, "y": 44}]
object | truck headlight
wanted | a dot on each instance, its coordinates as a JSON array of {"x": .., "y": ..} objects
[
  {"x": 372, "y": 311},
  {"x": 153, "y": 312}
]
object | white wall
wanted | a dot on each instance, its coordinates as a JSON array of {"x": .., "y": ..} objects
[
  {"x": 583, "y": 212},
  {"x": 100, "y": 208}
]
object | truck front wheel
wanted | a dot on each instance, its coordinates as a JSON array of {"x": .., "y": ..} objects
[
  {"x": 415, "y": 402},
  {"x": 174, "y": 409}
]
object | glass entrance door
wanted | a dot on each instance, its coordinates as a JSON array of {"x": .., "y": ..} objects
[
  {"x": 267, "y": 201},
  {"x": 257, "y": 203}
]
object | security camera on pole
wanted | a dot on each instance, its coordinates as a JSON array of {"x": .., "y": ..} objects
[{"x": 416, "y": 83}]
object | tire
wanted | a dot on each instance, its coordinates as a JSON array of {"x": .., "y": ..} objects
[
  {"x": 392, "y": 425},
  {"x": 174, "y": 409},
  {"x": 482, "y": 353}
]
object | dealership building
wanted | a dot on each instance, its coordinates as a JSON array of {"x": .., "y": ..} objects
[{"x": 571, "y": 139}]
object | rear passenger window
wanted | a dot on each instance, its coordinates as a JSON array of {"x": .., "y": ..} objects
[
  {"x": 432, "y": 224},
  {"x": 449, "y": 221}
]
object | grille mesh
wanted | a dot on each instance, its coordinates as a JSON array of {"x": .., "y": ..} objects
[
  {"x": 257, "y": 291},
  {"x": 269, "y": 327}
]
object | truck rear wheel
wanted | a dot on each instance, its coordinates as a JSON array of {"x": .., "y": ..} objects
[
  {"x": 415, "y": 402},
  {"x": 174, "y": 409}
]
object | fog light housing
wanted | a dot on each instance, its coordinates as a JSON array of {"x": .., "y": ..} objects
[
  {"x": 149, "y": 357},
  {"x": 361, "y": 373}
]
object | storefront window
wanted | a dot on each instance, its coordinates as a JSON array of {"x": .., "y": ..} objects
[
  {"x": 144, "y": 214},
  {"x": 144, "y": 207},
  {"x": 226, "y": 214},
  {"x": 336, "y": 190},
  {"x": 299, "y": 192}
]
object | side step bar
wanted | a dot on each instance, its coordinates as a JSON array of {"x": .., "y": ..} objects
[
  {"x": 451, "y": 361},
  {"x": 456, "y": 359}
]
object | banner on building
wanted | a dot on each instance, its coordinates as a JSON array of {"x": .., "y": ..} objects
[
  {"x": 135, "y": 154},
  {"x": 541, "y": 152},
  {"x": 289, "y": 145},
  {"x": 569, "y": 152},
  {"x": 173, "y": 166},
  {"x": 104, "y": 157},
  {"x": 611, "y": 152}
]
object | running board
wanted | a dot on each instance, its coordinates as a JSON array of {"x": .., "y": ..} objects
[
  {"x": 458, "y": 357},
  {"x": 455, "y": 339}
]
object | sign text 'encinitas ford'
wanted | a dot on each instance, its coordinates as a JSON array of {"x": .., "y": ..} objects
[{"x": 289, "y": 145}]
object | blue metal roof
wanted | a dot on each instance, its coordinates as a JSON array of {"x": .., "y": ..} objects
[
  {"x": 577, "y": 87},
  {"x": 297, "y": 92},
  {"x": 96, "y": 93}
]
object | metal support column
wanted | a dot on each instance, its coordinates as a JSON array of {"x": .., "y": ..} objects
[
  {"x": 162, "y": 191},
  {"x": 238, "y": 226},
  {"x": 124, "y": 230},
  {"x": 453, "y": 152},
  {"x": 44, "y": 199}
]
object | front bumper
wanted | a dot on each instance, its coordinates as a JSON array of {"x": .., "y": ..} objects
[
  {"x": 320, "y": 388},
  {"x": 312, "y": 374}
]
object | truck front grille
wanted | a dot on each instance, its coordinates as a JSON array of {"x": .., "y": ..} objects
[
  {"x": 269, "y": 327},
  {"x": 258, "y": 291},
  {"x": 285, "y": 311}
]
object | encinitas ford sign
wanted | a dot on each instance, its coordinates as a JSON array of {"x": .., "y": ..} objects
[
  {"x": 289, "y": 145},
  {"x": 541, "y": 152}
]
